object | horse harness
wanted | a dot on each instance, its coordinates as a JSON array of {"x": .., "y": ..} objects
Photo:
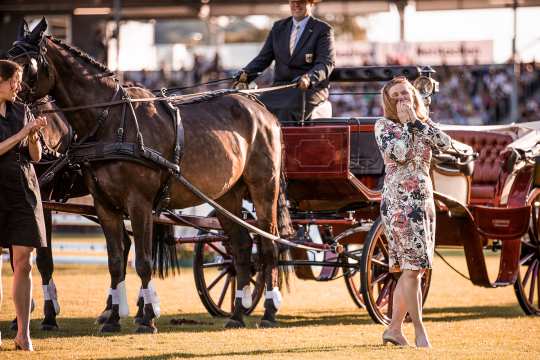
[{"x": 88, "y": 150}]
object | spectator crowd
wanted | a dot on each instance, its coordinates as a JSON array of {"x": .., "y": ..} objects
[{"x": 469, "y": 94}]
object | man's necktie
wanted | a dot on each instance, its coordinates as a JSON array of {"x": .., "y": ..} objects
[{"x": 294, "y": 35}]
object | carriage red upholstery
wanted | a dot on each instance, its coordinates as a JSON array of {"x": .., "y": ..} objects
[{"x": 488, "y": 168}]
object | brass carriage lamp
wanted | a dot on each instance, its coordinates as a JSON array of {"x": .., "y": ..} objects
[{"x": 426, "y": 85}]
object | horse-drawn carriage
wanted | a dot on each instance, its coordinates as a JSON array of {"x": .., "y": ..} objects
[
  {"x": 334, "y": 175},
  {"x": 485, "y": 189}
]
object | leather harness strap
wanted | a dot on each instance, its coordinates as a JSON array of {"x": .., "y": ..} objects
[{"x": 87, "y": 152}]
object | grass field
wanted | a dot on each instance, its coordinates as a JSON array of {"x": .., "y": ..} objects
[{"x": 318, "y": 320}]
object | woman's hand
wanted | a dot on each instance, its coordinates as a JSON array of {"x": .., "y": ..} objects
[
  {"x": 32, "y": 127},
  {"x": 406, "y": 112}
]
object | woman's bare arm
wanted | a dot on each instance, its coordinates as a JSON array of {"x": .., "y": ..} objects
[
  {"x": 12, "y": 141},
  {"x": 34, "y": 148}
]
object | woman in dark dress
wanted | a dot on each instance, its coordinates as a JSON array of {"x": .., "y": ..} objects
[{"x": 21, "y": 216}]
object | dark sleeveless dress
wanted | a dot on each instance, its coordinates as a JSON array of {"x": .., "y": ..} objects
[{"x": 21, "y": 212}]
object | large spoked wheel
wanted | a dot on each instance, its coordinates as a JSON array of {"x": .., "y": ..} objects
[
  {"x": 215, "y": 278},
  {"x": 377, "y": 283},
  {"x": 352, "y": 275},
  {"x": 527, "y": 285}
]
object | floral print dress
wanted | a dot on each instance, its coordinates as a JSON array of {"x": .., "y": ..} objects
[{"x": 407, "y": 207}]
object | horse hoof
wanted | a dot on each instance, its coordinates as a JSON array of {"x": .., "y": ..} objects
[
  {"x": 234, "y": 324},
  {"x": 102, "y": 319},
  {"x": 267, "y": 324},
  {"x": 146, "y": 329},
  {"x": 138, "y": 320},
  {"x": 49, "y": 327},
  {"x": 110, "y": 328}
]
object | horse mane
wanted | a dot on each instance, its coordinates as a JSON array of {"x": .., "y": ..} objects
[{"x": 80, "y": 54}]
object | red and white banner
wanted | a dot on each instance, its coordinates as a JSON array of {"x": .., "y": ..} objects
[{"x": 428, "y": 53}]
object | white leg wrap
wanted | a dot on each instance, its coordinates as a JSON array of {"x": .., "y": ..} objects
[
  {"x": 245, "y": 295},
  {"x": 115, "y": 297},
  {"x": 49, "y": 293},
  {"x": 275, "y": 295},
  {"x": 150, "y": 297},
  {"x": 123, "y": 307}
]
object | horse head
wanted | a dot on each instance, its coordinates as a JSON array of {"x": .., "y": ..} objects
[{"x": 29, "y": 52}]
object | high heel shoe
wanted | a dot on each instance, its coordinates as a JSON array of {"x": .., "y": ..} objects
[
  {"x": 426, "y": 345},
  {"x": 28, "y": 347},
  {"x": 394, "y": 341}
]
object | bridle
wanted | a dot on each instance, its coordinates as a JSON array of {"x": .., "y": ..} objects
[{"x": 35, "y": 61}]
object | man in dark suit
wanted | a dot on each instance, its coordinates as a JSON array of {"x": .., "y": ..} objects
[{"x": 303, "y": 50}]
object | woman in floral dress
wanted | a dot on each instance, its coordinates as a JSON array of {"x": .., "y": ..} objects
[{"x": 406, "y": 137}]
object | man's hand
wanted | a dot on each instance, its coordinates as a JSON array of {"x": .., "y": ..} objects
[
  {"x": 303, "y": 82},
  {"x": 241, "y": 80}
]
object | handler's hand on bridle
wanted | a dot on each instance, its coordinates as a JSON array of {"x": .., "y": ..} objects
[{"x": 34, "y": 126}]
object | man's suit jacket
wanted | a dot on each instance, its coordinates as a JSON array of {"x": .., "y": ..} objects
[{"x": 314, "y": 55}]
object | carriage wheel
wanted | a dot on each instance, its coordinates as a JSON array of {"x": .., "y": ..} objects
[
  {"x": 352, "y": 276},
  {"x": 217, "y": 289},
  {"x": 377, "y": 283},
  {"x": 527, "y": 285}
]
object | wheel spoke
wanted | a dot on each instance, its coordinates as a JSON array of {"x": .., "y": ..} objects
[
  {"x": 383, "y": 292},
  {"x": 224, "y": 290},
  {"x": 383, "y": 248},
  {"x": 380, "y": 277},
  {"x": 533, "y": 283},
  {"x": 218, "y": 250},
  {"x": 379, "y": 262},
  {"x": 526, "y": 258},
  {"x": 527, "y": 274},
  {"x": 216, "y": 264},
  {"x": 528, "y": 244},
  {"x": 216, "y": 280}
]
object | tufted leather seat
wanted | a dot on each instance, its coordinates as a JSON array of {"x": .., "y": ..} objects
[{"x": 488, "y": 170}]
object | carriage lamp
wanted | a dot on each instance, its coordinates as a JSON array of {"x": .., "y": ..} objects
[{"x": 426, "y": 86}]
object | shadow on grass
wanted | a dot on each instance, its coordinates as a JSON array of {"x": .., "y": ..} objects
[
  {"x": 460, "y": 313},
  {"x": 290, "y": 352},
  {"x": 79, "y": 327}
]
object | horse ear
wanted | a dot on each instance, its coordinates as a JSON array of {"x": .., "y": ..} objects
[{"x": 37, "y": 33}]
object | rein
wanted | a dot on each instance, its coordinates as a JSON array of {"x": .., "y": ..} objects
[{"x": 164, "y": 98}]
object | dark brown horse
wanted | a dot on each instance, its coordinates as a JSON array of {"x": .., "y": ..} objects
[{"x": 232, "y": 148}]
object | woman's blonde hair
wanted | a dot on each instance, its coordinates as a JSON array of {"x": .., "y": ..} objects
[{"x": 389, "y": 106}]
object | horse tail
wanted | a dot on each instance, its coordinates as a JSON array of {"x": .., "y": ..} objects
[
  {"x": 285, "y": 228},
  {"x": 164, "y": 255}
]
